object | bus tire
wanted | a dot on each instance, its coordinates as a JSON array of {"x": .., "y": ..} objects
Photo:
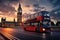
[{"x": 25, "y": 29}]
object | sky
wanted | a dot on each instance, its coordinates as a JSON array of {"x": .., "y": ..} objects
[{"x": 8, "y": 8}]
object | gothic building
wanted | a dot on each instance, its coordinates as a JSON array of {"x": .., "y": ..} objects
[
  {"x": 19, "y": 15},
  {"x": 5, "y": 23}
]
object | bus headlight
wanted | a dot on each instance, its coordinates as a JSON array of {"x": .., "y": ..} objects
[{"x": 43, "y": 29}]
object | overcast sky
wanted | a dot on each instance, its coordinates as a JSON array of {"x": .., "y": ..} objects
[{"x": 8, "y": 8}]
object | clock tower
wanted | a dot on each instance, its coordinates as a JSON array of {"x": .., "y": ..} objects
[{"x": 19, "y": 15}]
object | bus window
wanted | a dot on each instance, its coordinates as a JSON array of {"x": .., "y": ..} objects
[
  {"x": 35, "y": 24},
  {"x": 32, "y": 24},
  {"x": 46, "y": 24},
  {"x": 28, "y": 24}
]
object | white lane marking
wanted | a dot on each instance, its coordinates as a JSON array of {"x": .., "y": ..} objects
[
  {"x": 9, "y": 36},
  {"x": 1, "y": 38}
]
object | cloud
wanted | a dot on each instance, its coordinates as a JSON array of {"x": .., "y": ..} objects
[
  {"x": 56, "y": 8},
  {"x": 36, "y": 5},
  {"x": 27, "y": 5},
  {"x": 6, "y": 7},
  {"x": 9, "y": 0}
]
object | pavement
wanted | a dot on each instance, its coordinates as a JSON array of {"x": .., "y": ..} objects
[
  {"x": 20, "y": 34},
  {"x": 5, "y": 34}
]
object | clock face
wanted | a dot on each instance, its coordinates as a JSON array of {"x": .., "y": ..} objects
[{"x": 20, "y": 10}]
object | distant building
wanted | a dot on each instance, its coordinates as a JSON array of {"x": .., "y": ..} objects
[
  {"x": 58, "y": 23},
  {"x": 5, "y": 23},
  {"x": 19, "y": 15},
  {"x": 52, "y": 23}
]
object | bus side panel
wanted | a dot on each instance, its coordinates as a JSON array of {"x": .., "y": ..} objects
[{"x": 30, "y": 28}]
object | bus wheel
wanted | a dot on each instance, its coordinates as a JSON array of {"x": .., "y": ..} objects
[
  {"x": 25, "y": 29},
  {"x": 37, "y": 30}
]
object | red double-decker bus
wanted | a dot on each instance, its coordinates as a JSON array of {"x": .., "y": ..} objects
[{"x": 40, "y": 23}]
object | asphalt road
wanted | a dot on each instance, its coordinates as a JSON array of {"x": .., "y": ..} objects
[{"x": 20, "y": 34}]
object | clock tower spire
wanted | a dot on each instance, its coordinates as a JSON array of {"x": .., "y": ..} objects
[{"x": 19, "y": 15}]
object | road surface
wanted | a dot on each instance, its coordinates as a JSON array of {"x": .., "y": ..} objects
[{"x": 20, "y": 34}]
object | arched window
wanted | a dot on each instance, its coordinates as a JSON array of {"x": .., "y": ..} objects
[
  {"x": 52, "y": 24},
  {"x": 58, "y": 23}
]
